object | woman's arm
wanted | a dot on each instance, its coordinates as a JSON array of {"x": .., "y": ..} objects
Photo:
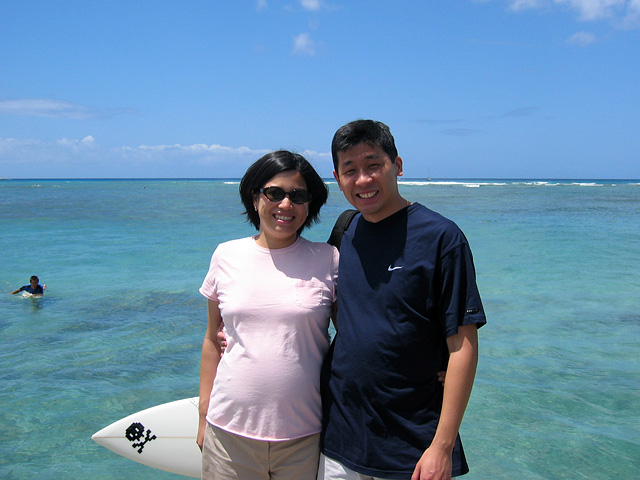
[{"x": 208, "y": 365}]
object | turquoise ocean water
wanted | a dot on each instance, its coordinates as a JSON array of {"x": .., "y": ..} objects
[{"x": 120, "y": 327}]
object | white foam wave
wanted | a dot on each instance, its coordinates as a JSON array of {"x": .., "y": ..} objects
[
  {"x": 471, "y": 184},
  {"x": 500, "y": 183}
]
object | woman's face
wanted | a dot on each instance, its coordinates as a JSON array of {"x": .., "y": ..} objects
[{"x": 281, "y": 219}]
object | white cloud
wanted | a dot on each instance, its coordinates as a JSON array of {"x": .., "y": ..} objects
[
  {"x": 9, "y": 147},
  {"x": 632, "y": 17},
  {"x": 595, "y": 9},
  {"x": 581, "y": 39},
  {"x": 518, "y": 5},
  {"x": 86, "y": 158},
  {"x": 262, "y": 4},
  {"x": 50, "y": 108},
  {"x": 88, "y": 140},
  {"x": 200, "y": 149},
  {"x": 313, "y": 5},
  {"x": 623, "y": 13},
  {"x": 37, "y": 158},
  {"x": 304, "y": 45},
  {"x": 41, "y": 107}
]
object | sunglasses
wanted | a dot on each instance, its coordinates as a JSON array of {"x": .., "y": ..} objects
[{"x": 277, "y": 194}]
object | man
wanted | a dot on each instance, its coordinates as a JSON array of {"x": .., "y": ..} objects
[
  {"x": 408, "y": 306},
  {"x": 33, "y": 288}
]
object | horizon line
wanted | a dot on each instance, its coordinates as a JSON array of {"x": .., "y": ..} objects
[{"x": 400, "y": 180}]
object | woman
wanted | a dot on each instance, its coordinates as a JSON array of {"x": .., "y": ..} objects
[{"x": 260, "y": 408}]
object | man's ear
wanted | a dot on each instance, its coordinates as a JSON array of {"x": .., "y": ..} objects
[
  {"x": 335, "y": 175},
  {"x": 398, "y": 164}
]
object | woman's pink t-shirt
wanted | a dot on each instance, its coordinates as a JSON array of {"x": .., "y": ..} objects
[{"x": 275, "y": 305}]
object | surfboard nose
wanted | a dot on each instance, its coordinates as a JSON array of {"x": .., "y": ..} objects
[
  {"x": 162, "y": 437},
  {"x": 98, "y": 437}
]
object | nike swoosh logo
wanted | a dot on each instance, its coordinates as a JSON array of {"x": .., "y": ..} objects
[{"x": 391, "y": 269}]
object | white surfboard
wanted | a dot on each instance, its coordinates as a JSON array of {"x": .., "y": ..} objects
[{"x": 162, "y": 437}]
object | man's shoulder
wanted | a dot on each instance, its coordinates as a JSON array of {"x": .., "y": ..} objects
[{"x": 421, "y": 216}]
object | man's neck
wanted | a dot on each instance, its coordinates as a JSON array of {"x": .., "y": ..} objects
[{"x": 397, "y": 205}]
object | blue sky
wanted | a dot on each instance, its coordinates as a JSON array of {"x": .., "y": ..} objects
[{"x": 470, "y": 89}]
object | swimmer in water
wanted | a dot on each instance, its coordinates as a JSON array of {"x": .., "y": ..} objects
[{"x": 34, "y": 288}]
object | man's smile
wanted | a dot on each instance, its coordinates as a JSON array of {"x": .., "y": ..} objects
[{"x": 367, "y": 195}]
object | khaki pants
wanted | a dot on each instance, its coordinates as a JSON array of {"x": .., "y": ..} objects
[{"x": 226, "y": 456}]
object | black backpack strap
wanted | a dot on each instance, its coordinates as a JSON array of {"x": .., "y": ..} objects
[{"x": 341, "y": 225}]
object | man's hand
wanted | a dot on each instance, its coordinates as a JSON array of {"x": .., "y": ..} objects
[
  {"x": 435, "y": 464},
  {"x": 221, "y": 339}
]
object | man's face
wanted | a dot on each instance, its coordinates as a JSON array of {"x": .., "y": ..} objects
[{"x": 369, "y": 181}]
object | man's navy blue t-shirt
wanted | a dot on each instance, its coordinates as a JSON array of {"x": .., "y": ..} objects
[{"x": 405, "y": 284}]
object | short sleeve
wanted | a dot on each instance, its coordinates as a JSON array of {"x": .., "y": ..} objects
[
  {"x": 209, "y": 285},
  {"x": 460, "y": 298}
]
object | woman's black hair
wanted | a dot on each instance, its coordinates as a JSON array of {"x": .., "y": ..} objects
[{"x": 270, "y": 165}]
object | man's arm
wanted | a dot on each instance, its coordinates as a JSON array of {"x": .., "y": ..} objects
[
  {"x": 208, "y": 366},
  {"x": 435, "y": 463}
]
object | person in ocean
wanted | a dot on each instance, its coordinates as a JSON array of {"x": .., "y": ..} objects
[
  {"x": 408, "y": 306},
  {"x": 34, "y": 287},
  {"x": 275, "y": 292}
]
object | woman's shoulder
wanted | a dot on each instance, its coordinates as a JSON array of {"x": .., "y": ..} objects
[
  {"x": 319, "y": 247},
  {"x": 234, "y": 245}
]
